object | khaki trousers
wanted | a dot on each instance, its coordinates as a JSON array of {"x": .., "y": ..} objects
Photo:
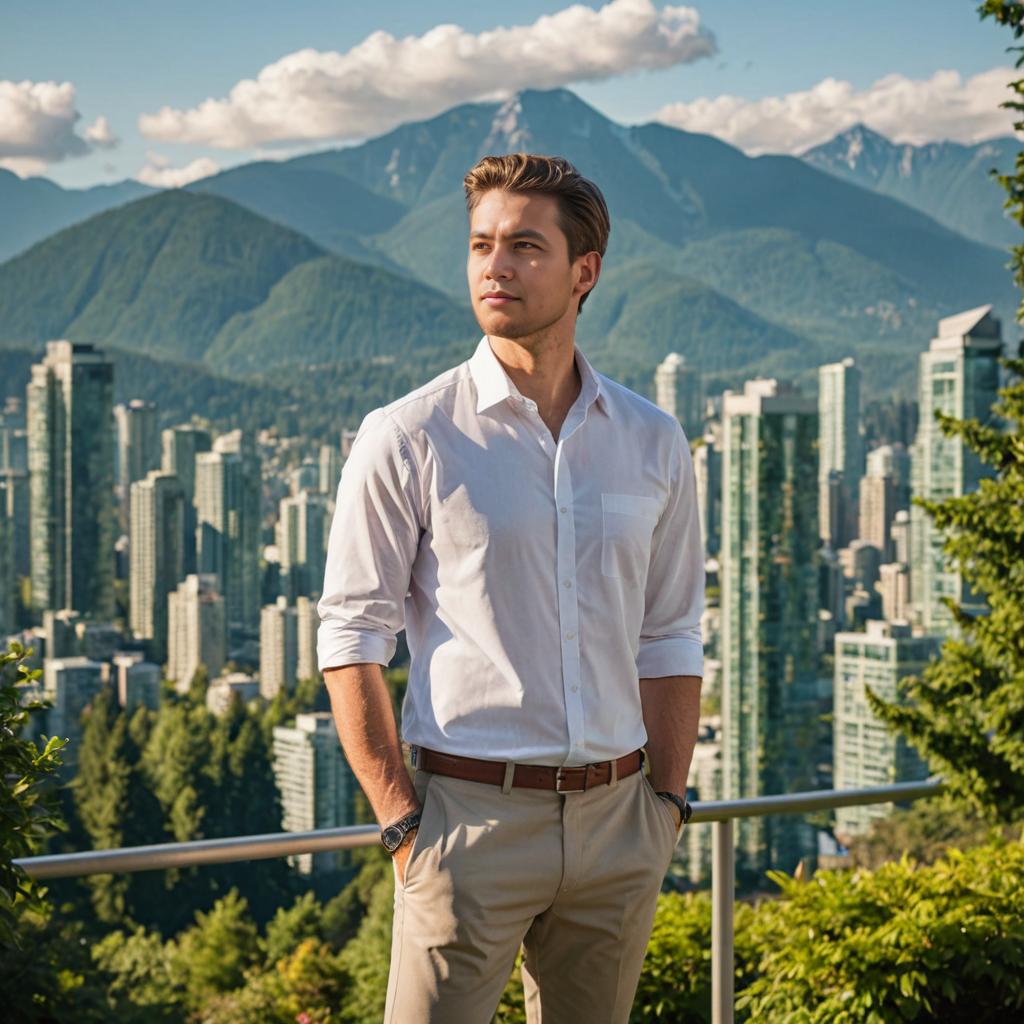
[{"x": 573, "y": 878}]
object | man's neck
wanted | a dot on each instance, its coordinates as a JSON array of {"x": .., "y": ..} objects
[{"x": 544, "y": 370}]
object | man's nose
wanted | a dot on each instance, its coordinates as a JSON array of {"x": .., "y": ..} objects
[{"x": 498, "y": 265}]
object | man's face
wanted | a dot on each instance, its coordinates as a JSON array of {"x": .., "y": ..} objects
[{"x": 520, "y": 278}]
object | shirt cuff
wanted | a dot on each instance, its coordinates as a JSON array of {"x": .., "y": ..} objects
[
  {"x": 342, "y": 645},
  {"x": 670, "y": 656}
]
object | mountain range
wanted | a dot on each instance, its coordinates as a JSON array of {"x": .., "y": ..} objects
[
  {"x": 767, "y": 264},
  {"x": 950, "y": 182}
]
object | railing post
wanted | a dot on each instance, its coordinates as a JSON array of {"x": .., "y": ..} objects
[{"x": 723, "y": 884}]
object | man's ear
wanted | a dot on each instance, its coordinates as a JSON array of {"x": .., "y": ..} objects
[{"x": 590, "y": 271}]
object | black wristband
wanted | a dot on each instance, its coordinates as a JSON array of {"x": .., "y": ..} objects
[{"x": 685, "y": 810}]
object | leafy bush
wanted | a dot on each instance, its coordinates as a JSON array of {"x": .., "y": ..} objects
[{"x": 942, "y": 942}]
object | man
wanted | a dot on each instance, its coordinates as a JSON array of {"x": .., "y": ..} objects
[{"x": 533, "y": 525}]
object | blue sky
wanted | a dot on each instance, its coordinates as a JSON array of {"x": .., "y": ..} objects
[{"x": 126, "y": 59}]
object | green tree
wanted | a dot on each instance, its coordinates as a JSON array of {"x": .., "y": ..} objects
[
  {"x": 117, "y": 808},
  {"x": 937, "y": 943},
  {"x": 214, "y": 953},
  {"x": 965, "y": 712},
  {"x": 144, "y": 983},
  {"x": 45, "y": 974},
  {"x": 292, "y": 925},
  {"x": 27, "y": 801}
]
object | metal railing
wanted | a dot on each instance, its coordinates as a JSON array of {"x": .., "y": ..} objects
[{"x": 721, "y": 813}]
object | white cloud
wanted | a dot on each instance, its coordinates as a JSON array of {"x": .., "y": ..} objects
[
  {"x": 159, "y": 173},
  {"x": 383, "y": 81},
  {"x": 100, "y": 134},
  {"x": 37, "y": 126},
  {"x": 916, "y": 111}
]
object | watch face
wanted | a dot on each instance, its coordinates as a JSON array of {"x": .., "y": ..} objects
[{"x": 391, "y": 837}]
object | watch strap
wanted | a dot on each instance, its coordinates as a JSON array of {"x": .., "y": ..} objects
[
  {"x": 394, "y": 835},
  {"x": 685, "y": 810}
]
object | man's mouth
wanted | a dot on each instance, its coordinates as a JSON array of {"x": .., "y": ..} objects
[{"x": 498, "y": 298}]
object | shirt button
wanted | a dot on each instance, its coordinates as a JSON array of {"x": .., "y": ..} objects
[
  {"x": 563, "y": 509},
  {"x": 569, "y": 636},
  {"x": 575, "y": 689},
  {"x": 567, "y": 583}
]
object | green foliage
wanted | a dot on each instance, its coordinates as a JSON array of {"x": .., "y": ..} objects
[
  {"x": 146, "y": 984},
  {"x": 965, "y": 712},
  {"x": 308, "y": 986},
  {"x": 290, "y": 926},
  {"x": 199, "y": 279},
  {"x": 924, "y": 832},
  {"x": 944, "y": 942},
  {"x": 676, "y": 981},
  {"x": 214, "y": 953},
  {"x": 1006, "y": 12},
  {"x": 366, "y": 958},
  {"x": 28, "y": 806},
  {"x": 179, "y": 773}
]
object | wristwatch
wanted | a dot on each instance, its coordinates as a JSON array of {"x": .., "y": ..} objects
[
  {"x": 396, "y": 833},
  {"x": 685, "y": 810}
]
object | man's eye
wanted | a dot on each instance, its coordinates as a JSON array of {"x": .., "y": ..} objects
[
  {"x": 478, "y": 246},
  {"x": 530, "y": 244}
]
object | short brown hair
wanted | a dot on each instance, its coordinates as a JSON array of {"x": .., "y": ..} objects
[{"x": 583, "y": 213}]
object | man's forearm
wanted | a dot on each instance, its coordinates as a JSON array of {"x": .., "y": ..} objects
[
  {"x": 671, "y": 708},
  {"x": 366, "y": 728}
]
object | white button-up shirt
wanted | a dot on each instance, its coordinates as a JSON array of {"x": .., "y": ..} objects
[{"x": 537, "y": 580}]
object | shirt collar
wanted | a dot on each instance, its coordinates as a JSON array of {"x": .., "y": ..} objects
[{"x": 493, "y": 384}]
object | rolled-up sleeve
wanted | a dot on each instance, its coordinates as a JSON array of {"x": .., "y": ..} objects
[
  {"x": 371, "y": 548},
  {"x": 670, "y": 637}
]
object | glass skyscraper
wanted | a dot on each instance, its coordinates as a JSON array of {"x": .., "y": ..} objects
[
  {"x": 959, "y": 376},
  {"x": 71, "y": 479},
  {"x": 769, "y": 608}
]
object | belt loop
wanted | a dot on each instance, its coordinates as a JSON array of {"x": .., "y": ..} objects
[
  {"x": 510, "y": 771},
  {"x": 613, "y": 773}
]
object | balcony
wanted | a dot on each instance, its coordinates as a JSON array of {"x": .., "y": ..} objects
[{"x": 722, "y": 813}]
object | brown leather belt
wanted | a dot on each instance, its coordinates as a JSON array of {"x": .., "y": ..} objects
[{"x": 530, "y": 776}]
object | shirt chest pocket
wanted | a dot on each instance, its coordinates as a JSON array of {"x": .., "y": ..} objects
[{"x": 627, "y": 523}]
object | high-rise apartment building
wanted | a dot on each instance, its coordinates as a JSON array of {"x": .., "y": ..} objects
[
  {"x": 894, "y": 588},
  {"x": 14, "y": 495},
  {"x": 196, "y": 630},
  {"x": 330, "y": 469},
  {"x": 877, "y": 511},
  {"x": 138, "y": 448},
  {"x": 707, "y": 469},
  {"x": 302, "y": 544},
  {"x": 840, "y": 449},
  {"x": 769, "y": 605},
  {"x": 138, "y": 682},
  {"x": 71, "y": 479},
  {"x": 278, "y": 648},
  {"x": 228, "y": 530},
  {"x": 316, "y": 784},
  {"x": 180, "y": 446},
  {"x": 892, "y": 460},
  {"x": 304, "y": 477},
  {"x": 677, "y": 390},
  {"x": 8, "y": 578},
  {"x": 13, "y": 436},
  {"x": 865, "y": 752},
  {"x": 157, "y": 556},
  {"x": 71, "y": 683},
  {"x": 959, "y": 376}
]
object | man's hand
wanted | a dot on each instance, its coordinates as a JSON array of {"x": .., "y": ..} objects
[
  {"x": 675, "y": 810},
  {"x": 401, "y": 855}
]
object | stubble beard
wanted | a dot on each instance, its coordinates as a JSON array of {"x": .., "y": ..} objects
[{"x": 532, "y": 335}]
